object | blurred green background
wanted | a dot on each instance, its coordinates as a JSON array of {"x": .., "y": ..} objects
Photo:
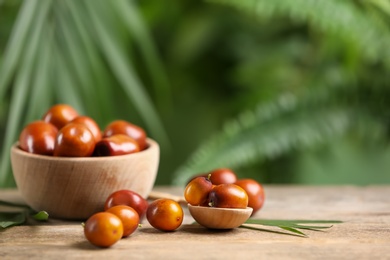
[{"x": 284, "y": 91}]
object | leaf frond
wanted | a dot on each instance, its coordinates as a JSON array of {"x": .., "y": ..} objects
[
  {"x": 344, "y": 19},
  {"x": 267, "y": 132}
]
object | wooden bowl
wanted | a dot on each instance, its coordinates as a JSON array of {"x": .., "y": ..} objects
[
  {"x": 219, "y": 218},
  {"x": 76, "y": 188}
]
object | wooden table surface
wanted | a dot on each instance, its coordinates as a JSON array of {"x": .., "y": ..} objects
[{"x": 364, "y": 233}]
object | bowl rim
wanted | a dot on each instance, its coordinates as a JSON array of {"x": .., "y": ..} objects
[
  {"x": 152, "y": 145},
  {"x": 213, "y": 209}
]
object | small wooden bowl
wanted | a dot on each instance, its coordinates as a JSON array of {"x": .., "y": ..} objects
[
  {"x": 76, "y": 188},
  {"x": 219, "y": 218}
]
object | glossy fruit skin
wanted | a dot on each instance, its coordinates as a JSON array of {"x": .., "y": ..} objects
[
  {"x": 59, "y": 115},
  {"x": 255, "y": 193},
  {"x": 228, "y": 196},
  {"x": 103, "y": 229},
  {"x": 91, "y": 124},
  {"x": 222, "y": 176},
  {"x": 197, "y": 175},
  {"x": 197, "y": 191},
  {"x": 126, "y": 128},
  {"x": 38, "y": 137},
  {"x": 74, "y": 140},
  {"x": 128, "y": 216},
  {"x": 165, "y": 214},
  {"x": 127, "y": 198},
  {"x": 116, "y": 145}
]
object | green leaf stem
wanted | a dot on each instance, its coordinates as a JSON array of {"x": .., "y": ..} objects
[
  {"x": 15, "y": 218},
  {"x": 291, "y": 225}
]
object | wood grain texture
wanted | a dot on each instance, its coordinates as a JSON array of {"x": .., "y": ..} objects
[{"x": 364, "y": 233}]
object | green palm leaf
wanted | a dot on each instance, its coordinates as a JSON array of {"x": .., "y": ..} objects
[
  {"x": 21, "y": 89},
  {"x": 74, "y": 52},
  {"x": 267, "y": 132},
  {"x": 16, "y": 44},
  {"x": 300, "y": 121},
  {"x": 136, "y": 26},
  {"x": 125, "y": 73},
  {"x": 343, "y": 19}
]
